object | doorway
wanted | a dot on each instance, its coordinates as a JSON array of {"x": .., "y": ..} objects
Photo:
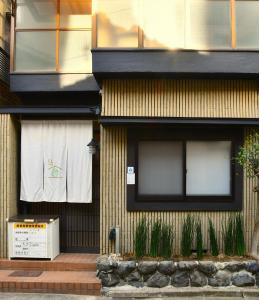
[{"x": 79, "y": 222}]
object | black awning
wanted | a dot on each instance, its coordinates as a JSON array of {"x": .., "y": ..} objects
[
  {"x": 51, "y": 110},
  {"x": 176, "y": 121}
]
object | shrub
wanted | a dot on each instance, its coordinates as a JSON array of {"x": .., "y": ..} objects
[
  {"x": 213, "y": 239},
  {"x": 199, "y": 240},
  {"x": 166, "y": 241},
  {"x": 228, "y": 236},
  {"x": 247, "y": 156},
  {"x": 187, "y": 236},
  {"x": 141, "y": 238},
  {"x": 240, "y": 247},
  {"x": 155, "y": 239}
]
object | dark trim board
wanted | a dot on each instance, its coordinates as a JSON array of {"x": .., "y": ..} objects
[
  {"x": 51, "y": 110},
  {"x": 133, "y": 121},
  {"x": 23, "y": 82},
  {"x": 168, "y": 63}
]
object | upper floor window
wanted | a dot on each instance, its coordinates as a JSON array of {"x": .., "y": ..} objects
[
  {"x": 5, "y": 6},
  {"x": 53, "y": 36},
  {"x": 178, "y": 24}
]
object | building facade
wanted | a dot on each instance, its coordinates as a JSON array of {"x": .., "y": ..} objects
[{"x": 171, "y": 89}]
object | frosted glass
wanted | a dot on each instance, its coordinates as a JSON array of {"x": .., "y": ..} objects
[
  {"x": 208, "y": 168},
  {"x": 75, "y": 14},
  {"x": 247, "y": 24},
  {"x": 74, "y": 51},
  {"x": 35, "y": 51},
  {"x": 117, "y": 22},
  {"x": 208, "y": 24},
  {"x": 160, "y": 168},
  {"x": 163, "y": 23},
  {"x": 36, "y": 14}
]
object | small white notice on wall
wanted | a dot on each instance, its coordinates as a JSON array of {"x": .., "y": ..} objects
[
  {"x": 130, "y": 175},
  {"x": 130, "y": 170},
  {"x": 30, "y": 240},
  {"x": 131, "y": 178}
]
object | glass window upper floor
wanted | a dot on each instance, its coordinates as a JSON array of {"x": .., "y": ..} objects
[
  {"x": 178, "y": 24},
  {"x": 53, "y": 36},
  {"x": 57, "y": 35}
]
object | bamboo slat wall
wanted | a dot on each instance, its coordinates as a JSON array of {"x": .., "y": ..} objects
[
  {"x": 113, "y": 200},
  {"x": 166, "y": 98},
  {"x": 8, "y": 176},
  {"x": 181, "y": 98}
]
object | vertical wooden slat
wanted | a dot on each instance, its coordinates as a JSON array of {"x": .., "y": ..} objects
[
  {"x": 114, "y": 210},
  {"x": 8, "y": 176},
  {"x": 172, "y": 98},
  {"x": 181, "y": 98}
]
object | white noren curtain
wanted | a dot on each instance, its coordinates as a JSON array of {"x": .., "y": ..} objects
[{"x": 56, "y": 165}]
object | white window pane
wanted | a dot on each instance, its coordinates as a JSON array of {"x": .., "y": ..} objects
[
  {"x": 31, "y": 52},
  {"x": 36, "y": 14},
  {"x": 247, "y": 24},
  {"x": 208, "y": 24},
  {"x": 76, "y": 13},
  {"x": 160, "y": 168},
  {"x": 163, "y": 23},
  {"x": 74, "y": 51},
  {"x": 208, "y": 168},
  {"x": 117, "y": 23}
]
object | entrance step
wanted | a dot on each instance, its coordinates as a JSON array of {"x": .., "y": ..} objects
[
  {"x": 59, "y": 282},
  {"x": 63, "y": 262}
]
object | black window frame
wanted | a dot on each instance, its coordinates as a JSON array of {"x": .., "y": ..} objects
[{"x": 136, "y": 202}]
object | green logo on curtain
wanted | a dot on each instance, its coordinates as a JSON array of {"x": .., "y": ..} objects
[{"x": 54, "y": 170}]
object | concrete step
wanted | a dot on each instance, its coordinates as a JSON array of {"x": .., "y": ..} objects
[
  {"x": 64, "y": 262},
  {"x": 58, "y": 282}
]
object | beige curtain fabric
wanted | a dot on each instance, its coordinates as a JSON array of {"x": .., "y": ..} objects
[
  {"x": 79, "y": 166},
  {"x": 32, "y": 161},
  {"x": 55, "y": 161}
]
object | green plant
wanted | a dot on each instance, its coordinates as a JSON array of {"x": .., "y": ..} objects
[
  {"x": 213, "y": 239},
  {"x": 199, "y": 240},
  {"x": 141, "y": 238},
  {"x": 166, "y": 241},
  {"x": 248, "y": 158},
  {"x": 248, "y": 155},
  {"x": 240, "y": 247},
  {"x": 155, "y": 239},
  {"x": 187, "y": 236},
  {"x": 228, "y": 236}
]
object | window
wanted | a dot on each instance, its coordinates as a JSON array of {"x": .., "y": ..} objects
[
  {"x": 178, "y": 24},
  {"x": 208, "y": 24},
  {"x": 160, "y": 168},
  {"x": 117, "y": 23},
  {"x": 184, "y": 169},
  {"x": 5, "y": 6},
  {"x": 247, "y": 24},
  {"x": 192, "y": 24},
  {"x": 53, "y": 36},
  {"x": 209, "y": 159}
]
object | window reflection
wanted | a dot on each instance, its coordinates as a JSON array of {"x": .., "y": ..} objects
[
  {"x": 247, "y": 24},
  {"x": 117, "y": 23}
]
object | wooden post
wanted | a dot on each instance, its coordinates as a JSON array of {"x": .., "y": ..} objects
[{"x": 255, "y": 238}]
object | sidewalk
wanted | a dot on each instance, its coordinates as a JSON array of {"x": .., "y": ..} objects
[
  {"x": 31, "y": 296},
  {"x": 14, "y": 296}
]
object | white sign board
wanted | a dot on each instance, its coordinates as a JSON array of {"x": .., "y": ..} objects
[
  {"x": 29, "y": 240},
  {"x": 130, "y": 178}
]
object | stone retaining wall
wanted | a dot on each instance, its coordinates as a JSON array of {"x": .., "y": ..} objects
[{"x": 113, "y": 272}]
